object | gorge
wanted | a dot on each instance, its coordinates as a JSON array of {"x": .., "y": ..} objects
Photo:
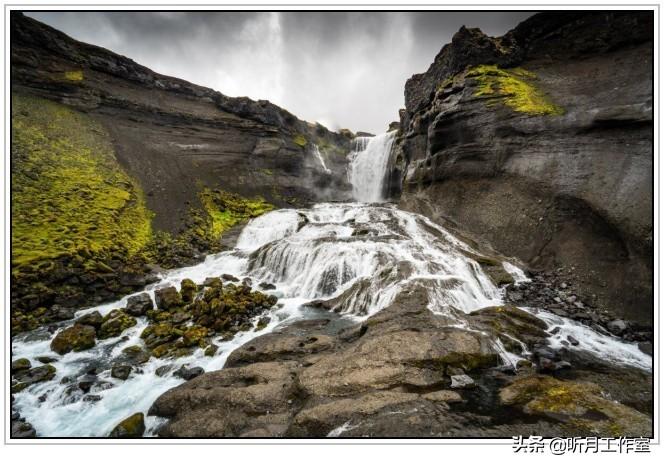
[{"x": 483, "y": 269}]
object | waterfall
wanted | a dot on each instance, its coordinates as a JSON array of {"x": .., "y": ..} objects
[
  {"x": 320, "y": 159},
  {"x": 352, "y": 258},
  {"x": 367, "y": 170}
]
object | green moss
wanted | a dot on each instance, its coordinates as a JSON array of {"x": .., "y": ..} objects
[
  {"x": 581, "y": 405},
  {"x": 300, "y": 140},
  {"x": 75, "y": 338},
  {"x": 227, "y": 209},
  {"x": 515, "y": 87},
  {"x": 195, "y": 335},
  {"x": 70, "y": 197},
  {"x": 114, "y": 323},
  {"x": 131, "y": 427},
  {"x": 75, "y": 75}
]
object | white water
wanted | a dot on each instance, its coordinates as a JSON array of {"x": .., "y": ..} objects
[
  {"x": 368, "y": 166},
  {"x": 320, "y": 159},
  {"x": 357, "y": 255}
]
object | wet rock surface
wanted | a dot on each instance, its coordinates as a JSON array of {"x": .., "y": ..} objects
[{"x": 403, "y": 372}]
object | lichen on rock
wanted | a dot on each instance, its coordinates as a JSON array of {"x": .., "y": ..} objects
[
  {"x": 581, "y": 406},
  {"x": 515, "y": 87}
]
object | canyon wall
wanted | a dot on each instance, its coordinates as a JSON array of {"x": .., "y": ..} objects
[
  {"x": 540, "y": 143},
  {"x": 116, "y": 167}
]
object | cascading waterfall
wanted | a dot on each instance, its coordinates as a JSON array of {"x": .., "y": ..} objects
[
  {"x": 355, "y": 257},
  {"x": 368, "y": 166},
  {"x": 320, "y": 159}
]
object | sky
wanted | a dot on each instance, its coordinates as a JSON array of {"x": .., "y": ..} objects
[{"x": 342, "y": 69}]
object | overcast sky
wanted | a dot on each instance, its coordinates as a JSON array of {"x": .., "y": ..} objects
[{"x": 342, "y": 69}]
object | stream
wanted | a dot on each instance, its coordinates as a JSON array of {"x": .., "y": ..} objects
[{"x": 357, "y": 256}]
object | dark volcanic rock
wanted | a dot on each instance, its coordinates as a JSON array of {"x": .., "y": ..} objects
[
  {"x": 21, "y": 429},
  {"x": 138, "y": 305},
  {"x": 171, "y": 134},
  {"x": 167, "y": 298},
  {"x": 534, "y": 182},
  {"x": 94, "y": 319},
  {"x": 121, "y": 371},
  {"x": 24, "y": 378},
  {"x": 187, "y": 373},
  {"x": 174, "y": 138},
  {"x": 390, "y": 376}
]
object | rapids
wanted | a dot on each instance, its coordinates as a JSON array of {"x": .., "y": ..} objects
[{"x": 355, "y": 256}]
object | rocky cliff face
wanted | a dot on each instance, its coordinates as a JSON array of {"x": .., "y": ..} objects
[
  {"x": 181, "y": 165},
  {"x": 540, "y": 143}
]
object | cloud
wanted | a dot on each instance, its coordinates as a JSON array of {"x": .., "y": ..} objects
[{"x": 343, "y": 69}]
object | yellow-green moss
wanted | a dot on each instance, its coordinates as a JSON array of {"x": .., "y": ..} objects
[
  {"x": 227, "y": 209},
  {"x": 70, "y": 197},
  {"x": 515, "y": 87},
  {"x": 581, "y": 405},
  {"x": 75, "y": 75},
  {"x": 300, "y": 140}
]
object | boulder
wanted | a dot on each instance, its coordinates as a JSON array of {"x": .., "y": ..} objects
[
  {"x": 188, "y": 290},
  {"x": 25, "y": 378},
  {"x": 75, "y": 338},
  {"x": 617, "y": 326},
  {"x": 138, "y": 305},
  {"x": 121, "y": 371},
  {"x": 195, "y": 335},
  {"x": 114, "y": 323},
  {"x": 130, "y": 427},
  {"x": 21, "y": 364},
  {"x": 22, "y": 429},
  {"x": 167, "y": 298},
  {"x": 94, "y": 319}
]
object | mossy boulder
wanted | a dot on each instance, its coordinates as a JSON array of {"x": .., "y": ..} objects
[
  {"x": 155, "y": 335},
  {"x": 211, "y": 350},
  {"x": 136, "y": 354},
  {"x": 581, "y": 406},
  {"x": 188, "y": 290},
  {"x": 114, "y": 323},
  {"x": 167, "y": 298},
  {"x": 21, "y": 364},
  {"x": 130, "y": 427},
  {"x": 195, "y": 335},
  {"x": 75, "y": 338},
  {"x": 138, "y": 305},
  {"x": 262, "y": 323}
]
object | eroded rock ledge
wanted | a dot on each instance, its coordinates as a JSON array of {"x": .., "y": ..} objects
[{"x": 405, "y": 372}]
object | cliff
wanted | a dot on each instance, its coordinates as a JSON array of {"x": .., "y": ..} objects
[
  {"x": 540, "y": 143},
  {"x": 115, "y": 167}
]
